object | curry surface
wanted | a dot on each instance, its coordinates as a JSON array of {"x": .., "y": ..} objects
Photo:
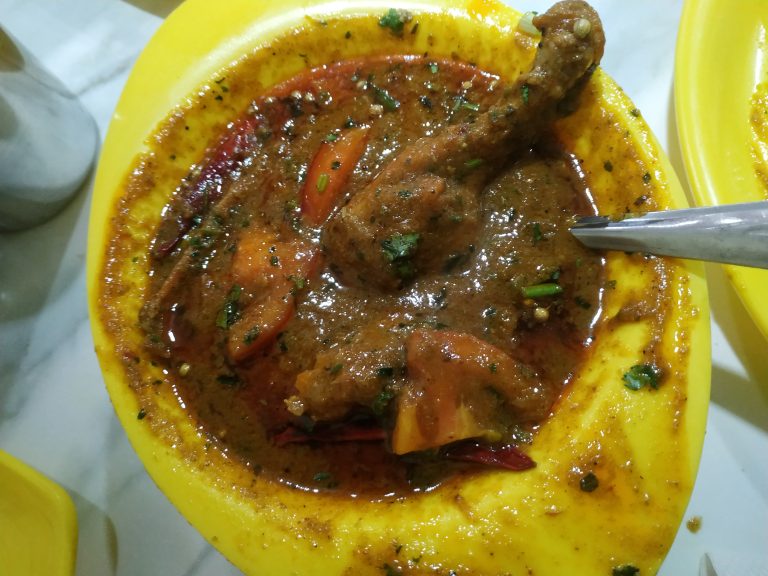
[{"x": 513, "y": 236}]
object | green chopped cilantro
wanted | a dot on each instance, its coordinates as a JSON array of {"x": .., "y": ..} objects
[
  {"x": 251, "y": 335},
  {"x": 230, "y": 312},
  {"x": 525, "y": 93},
  {"x": 395, "y": 20},
  {"x": 384, "y": 98},
  {"x": 399, "y": 249},
  {"x": 382, "y": 400},
  {"x": 641, "y": 375}
]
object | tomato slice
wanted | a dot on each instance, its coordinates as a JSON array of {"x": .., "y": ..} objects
[
  {"x": 269, "y": 271},
  {"x": 330, "y": 169}
]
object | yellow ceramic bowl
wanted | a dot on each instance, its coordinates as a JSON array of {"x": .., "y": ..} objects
[
  {"x": 722, "y": 56},
  {"x": 644, "y": 446},
  {"x": 38, "y": 530}
]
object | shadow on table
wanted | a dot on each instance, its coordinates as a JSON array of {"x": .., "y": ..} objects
[{"x": 157, "y": 7}]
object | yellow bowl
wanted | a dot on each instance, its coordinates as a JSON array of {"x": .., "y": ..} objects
[
  {"x": 721, "y": 57},
  {"x": 644, "y": 445},
  {"x": 38, "y": 531}
]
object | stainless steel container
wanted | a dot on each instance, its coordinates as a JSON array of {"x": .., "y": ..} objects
[{"x": 48, "y": 141}]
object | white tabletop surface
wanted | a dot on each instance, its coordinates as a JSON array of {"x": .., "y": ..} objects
[{"x": 55, "y": 413}]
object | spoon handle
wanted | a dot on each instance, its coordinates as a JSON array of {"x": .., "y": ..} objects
[{"x": 730, "y": 234}]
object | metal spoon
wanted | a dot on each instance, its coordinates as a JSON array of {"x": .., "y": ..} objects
[{"x": 730, "y": 234}]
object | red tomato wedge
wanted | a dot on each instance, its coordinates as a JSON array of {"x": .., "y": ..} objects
[
  {"x": 269, "y": 271},
  {"x": 260, "y": 323},
  {"x": 330, "y": 169},
  {"x": 457, "y": 383}
]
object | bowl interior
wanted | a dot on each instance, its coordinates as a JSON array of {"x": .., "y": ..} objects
[{"x": 645, "y": 445}]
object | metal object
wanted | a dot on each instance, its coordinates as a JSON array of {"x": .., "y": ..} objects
[
  {"x": 730, "y": 234},
  {"x": 48, "y": 141},
  {"x": 705, "y": 567}
]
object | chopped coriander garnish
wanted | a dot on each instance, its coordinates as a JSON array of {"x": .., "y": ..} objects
[
  {"x": 331, "y": 137},
  {"x": 322, "y": 477},
  {"x": 322, "y": 182},
  {"x": 251, "y": 335},
  {"x": 298, "y": 282},
  {"x": 274, "y": 260},
  {"x": 473, "y": 163},
  {"x": 384, "y": 98},
  {"x": 404, "y": 193},
  {"x": 398, "y": 249},
  {"x": 641, "y": 375},
  {"x": 399, "y": 246},
  {"x": 230, "y": 312},
  {"x": 525, "y": 93},
  {"x": 582, "y": 303},
  {"x": 395, "y": 20},
  {"x": 462, "y": 102},
  {"x": 335, "y": 369},
  {"x": 433, "y": 67},
  {"x": 493, "y": 367},
  {"x": 382, "y": 400},
  {"x": 542, "y": 290}
]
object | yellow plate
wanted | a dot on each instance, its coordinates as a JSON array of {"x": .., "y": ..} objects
[
  {"x": 721, "y": 57},
  {"x": 38, "y": 523},
  {"x": 644, "y": 447}
]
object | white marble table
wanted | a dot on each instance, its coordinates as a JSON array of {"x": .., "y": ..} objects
[{"x": 55, "y": 413}]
